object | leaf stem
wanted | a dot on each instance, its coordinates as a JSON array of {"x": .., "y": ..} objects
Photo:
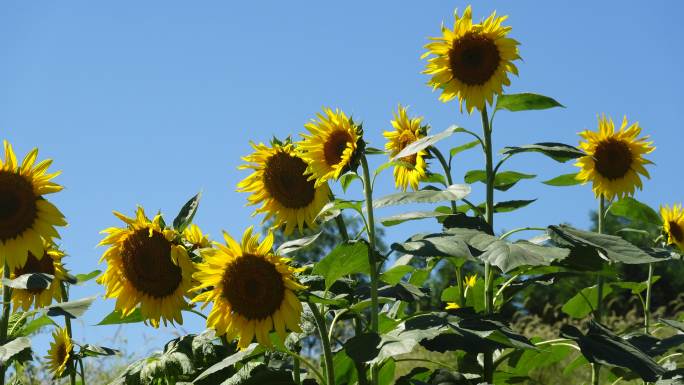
[
  {"x": 325, "y": 343},
  {"x": 647, "y": 304},
  {"x": 508, "y": 234},
  {"x": 6, "y": 298},
  {"x": 67, "y": 323},
  {"x": 307, "y": 364}
]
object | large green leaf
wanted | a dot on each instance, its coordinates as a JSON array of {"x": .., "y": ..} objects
[
  {"x": 396, "y": 273},
  {"x": 210, "y": 375},
  {"x": 610, "y": 247},
  {"x": 585, "y": 301},
  {"x": 602, "y": 346},
  {"x": 33, "y": 326},
  {"x": 347, "y": 258},
  {"x": 425, "y": 142},
  {"x": 94, "y": 350},
  {"x": 115, "y": 318},
  {"x": 557, "y": 151},
  {"x": 635, "y": 211},
  {"x": 186, "y": 213},
  {"x": 509, "y": 256},
  {"x": 14, "y": 347},
  {"x": 508, "y": 206},
  {"x": 525, "y": 101},
  {"x": 502, "y": 181},
  {"x": 296, "y": 244},
  {"x": 458, "y": 149},
  {"x": 452, "y": 193},
  {"x": 563, "y": 180},
  {"x": 30, "y": 281},
  {"x": 411, "y": 216}
]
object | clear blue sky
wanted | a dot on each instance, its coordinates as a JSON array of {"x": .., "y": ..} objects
[{"x": 149, "y": 102}]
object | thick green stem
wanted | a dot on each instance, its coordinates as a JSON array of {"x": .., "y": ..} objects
[
  {"x": 489, "y": 212},
  {"x": 6, "y": 299},
  {"x": 360, "y": 367},
  {"x": 372, "y": 260},
  {"x": 342, "y": 227},
  {"x": 297, "y": 371},
  {"x": 447, "y": 171},
  {"x": 596, "y": 368},
  {"x": 461, "y": 291},
  {"x": 647, "y": 305},
  {"x": 67, "y": 322},
  {"x": 83, "y": 372},
  {"x": 325, "y": 343}
]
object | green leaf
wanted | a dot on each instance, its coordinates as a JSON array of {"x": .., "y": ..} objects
[
  {"x": 525, "y": 102},
  {"x": 296, "y": 244},
  {"x": 411, "y": 216},
  {"x": 35, "y": 325},
  {"x": 425, "y": 142},
  {"x": 502, "y": 181},
  {"x": 452, "y": 193},
  {"x": 347, "y": 258},
  {"x": 71, "y": 309},
  {"x": 334, "y": 208},
  {"x": 634, "y": 287},
  {"x": 373, "y": 151},
  {"x": 435, "y": 178},
  {"x": 557, "y": 151},
  {"x": 345, "y": 371},
  {"x": 602, "y": 346},
  {"x": 208, "y": 376},
  {"x": 563, "y": 180},
  {"x": 396, "y": 273},
  {"x": 673, "y": 324},
  {"x": 363, "y": 348},
  {"x": 509, "y": 256},
  {"x": 12, "y": 348},
  {"x": 457, "y": 150},
  {"x": 347, "y": 179},
  {"x": 529, "y": 360},
  {"x": 30, "y": 281},
  {"x": 450, "y": 294},
  {"x": 88, "y": 350},
  {"x": 508, "y": 206},
  {"x": 115, "y": 318},
  {"x": 578, "y": 307},
  {"x": 635, "y": 211},
  {"x": 81, "y": 278},
  {"x": 609, "y": 247},
  {"x": 386, "y": 374},
  {"x": 186, "y": 213}
]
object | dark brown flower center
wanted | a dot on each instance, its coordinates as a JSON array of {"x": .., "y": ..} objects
[
  {"x": 286, "y": 181},
  {"x": 335, "y": 145},
  {"x": 61, "y": 353},
  {"x": 676, "y": 231},
  {"x": 147, "y": 263},
  {"x": 411, "y": 159},
  {"x": 253, "y": 287},
  {"x": 18, "y": 208},
  {"x": 474, "y": 59},
  {"x": 612, "y": 158},
  {"x": 34, "y": 265}
]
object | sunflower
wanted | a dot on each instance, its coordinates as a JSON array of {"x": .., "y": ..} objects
[
  {"x": 59, "y": 354},
  {"x": 252, "y": 290},
  {"x": 25, "y": 216},
  {"x": 49, "y": 263},
  {"x": 280, "y": 182},
  {"x": 146, "y": 266},
  {"x": 470, "y": 280},
  {"x": 193, "y": 235},
  {"x": 673, "y": 224},
  {"x": 406, "y": 131},
  {"x": 614, "y": 160},
  {"x": 471, "y": 62},
  {"x": 452, "y": 306},
  {"x": 330, "y": 148}
]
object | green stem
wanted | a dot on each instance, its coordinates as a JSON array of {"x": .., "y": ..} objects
[
  {"x": 297, "y": 371},
  {"x": 342, "y": 227},
  {"x": 461, "y": 291},
  {"x": 83, "y": 375},
  {"x": 447, "y": 171},
  {"x": 372, "y": 261},
  {"x": 308, "y": 364},
  {"x": 596, "y": 368},
  {"x": 325, "y": 342},
  {"x": 197, "y": 312},
  {"x": 647, "y": 305},
  {"x": 508, "y": 234},
  {"x": 489, "y": 211},
  {"x": 67, "y": 322},
  {"x": 6, "y": 299}
]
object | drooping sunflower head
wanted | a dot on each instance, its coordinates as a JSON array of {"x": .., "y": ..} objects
[
  {"x": 59, "y": 354},
  {"x": 281, "y": 184},
  {"x": 147, "y": 266},
  {"x": 412, "y": 169},
  {"x": 673, "y": 225},
  {"x": 332, "y": 145},
  {"x": 25, "y": 216},
  {"x": 49, "y": 263},
  {"x": 615, "y": 160},
  {"x": 252, "y": 290},
  {"x": 471, "y": 62}
]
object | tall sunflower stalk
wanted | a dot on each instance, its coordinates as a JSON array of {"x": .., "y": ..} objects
[{"x": 71, "y": 367}]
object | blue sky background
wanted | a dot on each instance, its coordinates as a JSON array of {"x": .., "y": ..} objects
[{"x": 149, "y": 102}]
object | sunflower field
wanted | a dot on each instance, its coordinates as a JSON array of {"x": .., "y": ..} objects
[{"x": 318, "y": 293}]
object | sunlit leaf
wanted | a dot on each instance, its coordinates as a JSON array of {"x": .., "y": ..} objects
[
  {"x": 452, "y": 193},
  {"x": 525, "y": 101},
  {"x": 186, "y": 213}
]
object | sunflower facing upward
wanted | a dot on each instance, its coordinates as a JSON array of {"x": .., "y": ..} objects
[
  {"x": 330, "y": 146},
  {"x": 471, "y": 62},
  {"x": 146, "y": 266},
  {"x": 252, "y": 290},
  {"x": 406, "y": 131},
  {"x": 281, "y": 184},
  {"x": 673, "y": 225},
  {"x": 59, "y": 353},
  {"x": 614, "y": 160},
  {"x": 26, "y": 218},
  {"x": 49, "y": 263}
]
